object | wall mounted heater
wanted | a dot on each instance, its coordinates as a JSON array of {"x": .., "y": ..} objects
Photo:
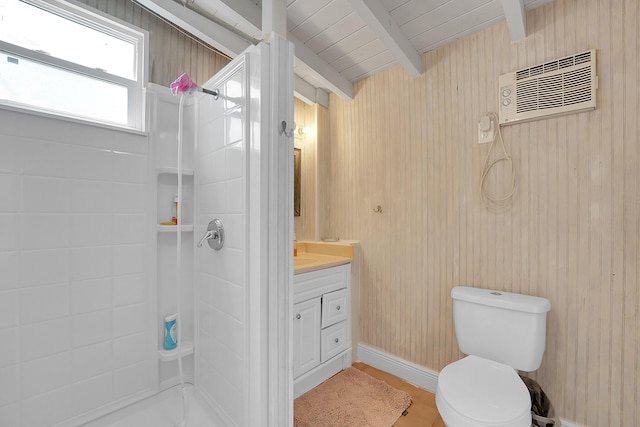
[{"x": 563, "y": 86}]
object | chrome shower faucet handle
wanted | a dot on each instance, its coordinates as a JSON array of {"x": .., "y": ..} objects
[{"x": 214, "y": 235}]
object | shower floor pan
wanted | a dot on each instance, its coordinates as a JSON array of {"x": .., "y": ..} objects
[{"x": 161, "y": 410}]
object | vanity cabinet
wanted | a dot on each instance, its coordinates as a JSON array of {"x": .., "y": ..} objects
[
  {"x": 321, "y": 326},
  {"x": 306, "y": 336}
]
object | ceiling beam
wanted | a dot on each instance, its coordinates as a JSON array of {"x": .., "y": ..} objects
[
  {"x": 309, "y": 94},
  {"x": 243, "y": 11},
  {"x": 274, "y": 18},
  {"x": 516, "y": 17},
  {"x": 249, "y": 15},
  {"x": 321, "y": 70},
  {"x": 208, "y": 31},
  {"x": 231, "y": 44},
  {"x": 376, "y": 16},
  {"x": 304, "y": 91}
]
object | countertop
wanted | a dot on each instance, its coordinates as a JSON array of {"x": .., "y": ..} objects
[{"x": 318, "y": 255}]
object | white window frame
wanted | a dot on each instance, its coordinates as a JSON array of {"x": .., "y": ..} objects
[{"x": 109, "y": 25}]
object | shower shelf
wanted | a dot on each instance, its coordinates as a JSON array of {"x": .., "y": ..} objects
[
  {"x": 169, "y": 355},
  {"x": 186, "y": 228},
  {"x": 173, "y": 171}
]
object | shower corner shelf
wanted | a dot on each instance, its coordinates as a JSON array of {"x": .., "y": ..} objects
[
  {"x": 169, "y": 355},
  {"x": 173, "y": 171},
  {"x": 186, "y": 228}
]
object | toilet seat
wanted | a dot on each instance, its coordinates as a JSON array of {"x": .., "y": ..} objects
[{"x": 477, "y": 392}]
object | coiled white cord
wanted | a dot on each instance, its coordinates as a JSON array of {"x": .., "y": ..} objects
[{"x": 491, "y": 200}]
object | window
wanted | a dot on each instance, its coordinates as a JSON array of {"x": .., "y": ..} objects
[{"x": 61, "y": 58}]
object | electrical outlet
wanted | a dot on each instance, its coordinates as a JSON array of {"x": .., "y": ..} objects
[{"x": 486, "y": 130}]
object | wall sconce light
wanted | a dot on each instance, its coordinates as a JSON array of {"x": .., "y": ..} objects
[{"x": 300, "y": 132}]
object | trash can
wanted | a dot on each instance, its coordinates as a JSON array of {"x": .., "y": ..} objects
[{"x": 542, "y": 413}]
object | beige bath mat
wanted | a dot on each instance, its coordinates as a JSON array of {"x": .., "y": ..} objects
[{"x": 350, "y": 399}]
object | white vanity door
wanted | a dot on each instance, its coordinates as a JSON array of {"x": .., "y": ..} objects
[{"x": 306, "y": 336}]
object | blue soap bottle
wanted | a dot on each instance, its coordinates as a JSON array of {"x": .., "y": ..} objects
[{"x": 170, "y": 332}]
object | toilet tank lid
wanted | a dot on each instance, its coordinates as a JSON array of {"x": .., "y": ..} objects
[{"x": 506, "y": 300}]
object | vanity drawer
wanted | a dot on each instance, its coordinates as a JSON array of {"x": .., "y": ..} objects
[
  {"x": 316, "y": 283},
  {"x": 335, "y": 307},
  {"x": 334, "y": 340}
]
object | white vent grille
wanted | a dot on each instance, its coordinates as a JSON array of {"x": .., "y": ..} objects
[{"x": 553, "y": 88}]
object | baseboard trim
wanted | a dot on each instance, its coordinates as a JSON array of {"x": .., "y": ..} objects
[{"x": 410, "y": 372}]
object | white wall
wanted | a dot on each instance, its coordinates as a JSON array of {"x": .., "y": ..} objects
[
  {"x": 244, "y": 170},
  {"x": 78, "y": 284},
  {"x": 221, "y": 289},
  {"x": 74, "y": 245},
  {"x": 163, "y": 140}
]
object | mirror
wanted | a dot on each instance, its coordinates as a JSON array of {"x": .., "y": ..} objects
[{"x": 297, "y": 155}]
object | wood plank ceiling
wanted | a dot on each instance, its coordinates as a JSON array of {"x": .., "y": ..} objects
[{"x": 339, "y": 42}]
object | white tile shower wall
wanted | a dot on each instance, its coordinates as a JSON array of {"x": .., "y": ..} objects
[
  {"x": 164, "y": 110},
  {"x": 221, "y": 282},
  {"x": 74, "y": 299}
]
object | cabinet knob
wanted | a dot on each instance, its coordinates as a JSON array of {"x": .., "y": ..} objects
[
  {"x": 336, "y": 340},
  {"x": 298, "y": 316},
  {"x": 337, "y": 307}
]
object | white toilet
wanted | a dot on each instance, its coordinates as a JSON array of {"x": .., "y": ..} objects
[{"x": 500, "y": 332}]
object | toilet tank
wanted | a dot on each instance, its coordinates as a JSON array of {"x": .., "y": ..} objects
[{"x": 506, "y": 327}]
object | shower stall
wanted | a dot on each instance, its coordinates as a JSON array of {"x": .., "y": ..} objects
[{"x": 89, "y": 272}]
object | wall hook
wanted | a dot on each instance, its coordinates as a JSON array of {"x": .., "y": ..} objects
[
  {"x": 378, "y": 209},
  {"x": 283, "y": 129}
]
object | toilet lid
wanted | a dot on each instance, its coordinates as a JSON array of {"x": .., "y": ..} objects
[{"x": 484, "y": 390}]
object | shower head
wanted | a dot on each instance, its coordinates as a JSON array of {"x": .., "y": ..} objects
[{"x": 184, "y": 84}]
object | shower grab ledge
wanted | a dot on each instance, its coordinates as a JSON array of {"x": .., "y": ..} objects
[
  {"x": 173, "y": 171},
  {"x": 186, "y": 228},
  {"x": 169, "y": 355}
]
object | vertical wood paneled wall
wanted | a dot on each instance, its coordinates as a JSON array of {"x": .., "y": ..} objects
[
  {"x": 171, "y": 52},
  {"x": 571, "y": 235}
]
